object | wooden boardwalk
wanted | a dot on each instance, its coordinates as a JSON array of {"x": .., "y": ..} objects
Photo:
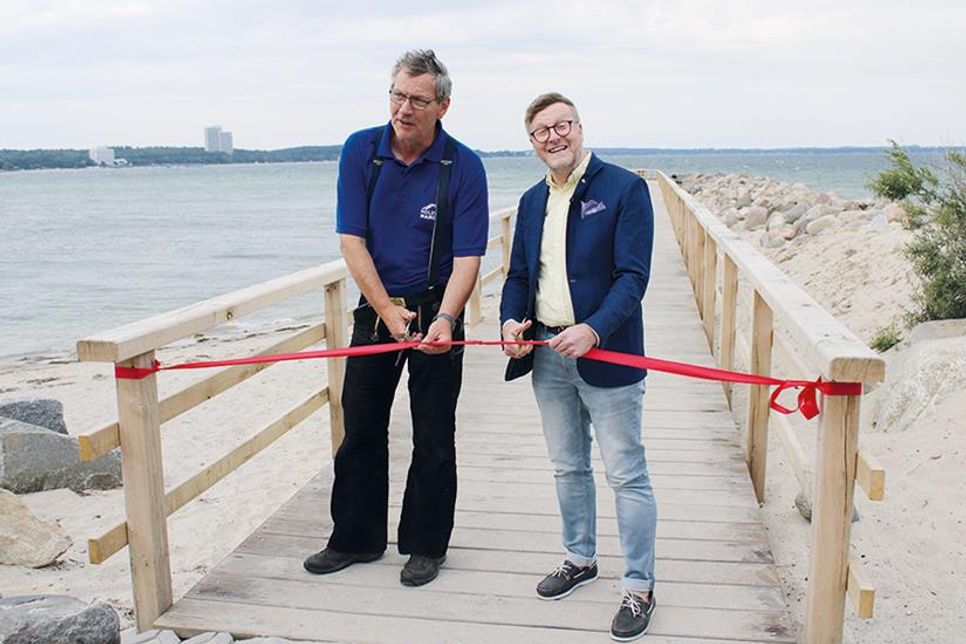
[{"x": 716, "y": 580}]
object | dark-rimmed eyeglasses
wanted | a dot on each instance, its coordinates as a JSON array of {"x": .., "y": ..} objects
[
  {"x": 418, "y": 102},
  {"x": 542, "y": 134}
]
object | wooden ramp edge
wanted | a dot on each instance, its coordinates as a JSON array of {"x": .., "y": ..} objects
[{"x": 716, "y": 579}]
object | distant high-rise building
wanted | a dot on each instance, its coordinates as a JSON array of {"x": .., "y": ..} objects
[
  {"x": 102, "y": 155},
  {"x": 226, "y": 143},
  {"x": 217, "y": 140},
  {"x": 213, "y": 138}
]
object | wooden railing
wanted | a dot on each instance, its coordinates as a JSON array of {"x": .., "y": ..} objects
[
  {"x": 788, "y": 324},
  {"x": 140, "y": 413}
]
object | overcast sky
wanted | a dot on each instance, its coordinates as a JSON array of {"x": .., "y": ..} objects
[{"x": 661, "y": 73}]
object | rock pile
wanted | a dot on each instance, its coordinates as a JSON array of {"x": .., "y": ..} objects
[
  {"x": 780, "y": 211},
  {"x": 37, "y": 454}
]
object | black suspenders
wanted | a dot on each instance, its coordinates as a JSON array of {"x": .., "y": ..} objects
[{"x": 443, "y": 224}]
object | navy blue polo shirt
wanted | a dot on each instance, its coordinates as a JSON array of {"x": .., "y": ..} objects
[{"x": 398, "y": 228}]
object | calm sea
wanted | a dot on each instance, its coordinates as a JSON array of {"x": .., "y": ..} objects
[{"x": 83, "y": 251}]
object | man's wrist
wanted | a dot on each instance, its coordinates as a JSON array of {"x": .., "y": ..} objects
[{"x": 454, "y": 321}]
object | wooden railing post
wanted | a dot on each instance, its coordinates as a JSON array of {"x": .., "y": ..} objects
[
  {"x": 139, "y": 426},
  {"x": 336, "y": 327},
  {"x": 758, "y": 410},
  {"x": 729, "y": 309},
  {"x": 506, "y": 242},
  {"x": 476, "y": 309},
  {"x": 835, "y": 464},
  {"x": 710, "y": 288}
]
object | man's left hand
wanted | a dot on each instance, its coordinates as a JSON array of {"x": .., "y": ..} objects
[
  {"x": 439, "y": 331},
  {"x": 574, "y": 341}
]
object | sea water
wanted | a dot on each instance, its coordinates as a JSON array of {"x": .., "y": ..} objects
[{"x": 84, "y": 251}]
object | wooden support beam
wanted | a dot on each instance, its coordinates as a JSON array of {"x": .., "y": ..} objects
[
  {"x": 758, "y": 410},
  {"x": 103, "y": 440},
  {"x": 860, "y": 590},
  {"x": 709, "y": 289},
  {"x": 336, "y": 335},
  {"x": 729, "y": 309},
  {"x": 870, "y": 475},
  {"x": 99, "y": 549},
  {"x": 835, "y": 463},
  {"x": 140, "y": 428}
]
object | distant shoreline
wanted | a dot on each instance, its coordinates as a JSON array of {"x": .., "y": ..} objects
[{"x": 49, "y": 159}]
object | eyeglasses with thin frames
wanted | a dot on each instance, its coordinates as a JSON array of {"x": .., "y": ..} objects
[
  {"x": 418, "y": 102},
  {"x": 542, "y": 134}
]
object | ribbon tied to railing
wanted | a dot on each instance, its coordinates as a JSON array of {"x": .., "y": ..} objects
[{"x": 807, "y": 396}]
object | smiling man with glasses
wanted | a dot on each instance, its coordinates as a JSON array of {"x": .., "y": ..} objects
[
  {"x": 579, "y": 268},
  {"x": 412, "y": 217}
]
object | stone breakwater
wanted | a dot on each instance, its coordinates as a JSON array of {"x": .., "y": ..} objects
[{"x": 778, "y": 212}]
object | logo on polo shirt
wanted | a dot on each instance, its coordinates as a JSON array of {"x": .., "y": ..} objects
[{"x": 428, "y": 212}]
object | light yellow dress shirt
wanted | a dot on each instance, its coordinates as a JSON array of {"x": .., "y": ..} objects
[{"x": 554, "y": 306}]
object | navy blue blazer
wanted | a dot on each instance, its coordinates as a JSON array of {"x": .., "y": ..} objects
[{"x": 610, "y": 235}]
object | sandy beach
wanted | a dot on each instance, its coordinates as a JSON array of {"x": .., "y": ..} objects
[{"x": 911, "y": 543}]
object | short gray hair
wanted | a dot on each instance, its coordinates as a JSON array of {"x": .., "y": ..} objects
[
  {"x": 544, "y": 101},
  {"x": 424, "y": 61}
]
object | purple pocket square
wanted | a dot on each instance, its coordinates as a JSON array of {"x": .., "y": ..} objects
[{"x": 588, "y": 208}]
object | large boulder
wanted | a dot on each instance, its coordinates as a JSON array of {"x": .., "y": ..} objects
[
  {"x": 929, "y": 366},
  {"x": 26, "y": 540},
  {"x": 57, "y": 619},
  {"x": 33, "y": 459},
  {"x": 43, "y": 412}
]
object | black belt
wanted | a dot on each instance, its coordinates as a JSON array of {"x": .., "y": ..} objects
[{"x": 554, "y": 330}]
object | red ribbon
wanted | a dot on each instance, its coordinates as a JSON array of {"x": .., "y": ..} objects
[{"x": 807, "y": 397}]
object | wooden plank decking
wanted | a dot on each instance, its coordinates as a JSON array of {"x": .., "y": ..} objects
[{"x": 716, "y": 580}]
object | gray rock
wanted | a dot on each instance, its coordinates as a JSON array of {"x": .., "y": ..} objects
[
  {"x": 210, "y": 638},
  {"x": 804, "y": 506},
  {"x": 140, "y": 638},
  {"x": 937, "y": 330},
  {"x": 895, "y": 212},
  {"x": 919, "y": 374},
  {"x": 57, "y": 619},
  {"x": 823, "y": 223},
  {"x": 33, "y": 459},
  {"x": 756, "y": 217},
  {"x": 795, "y": 212},
  {"x": 743, "y": 199},
  {"x": 847, "y": 216},
  {"x": 775, "y": 223},
  {"x": 43, "y": 412},
  {"x": 879, "y": 222},
  {"x": 26, "y": 540}
]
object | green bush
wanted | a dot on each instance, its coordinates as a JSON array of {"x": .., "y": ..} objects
[
  {"x": 885, "y": 338},
  {"x": 937, "y": 210}
]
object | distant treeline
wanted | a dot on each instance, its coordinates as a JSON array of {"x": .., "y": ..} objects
[{"x": 34, "y": 159}]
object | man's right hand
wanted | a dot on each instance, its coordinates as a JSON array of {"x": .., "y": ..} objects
[
  {"x": 397, "y": 319},
  {"x": 513, "y": 332}
]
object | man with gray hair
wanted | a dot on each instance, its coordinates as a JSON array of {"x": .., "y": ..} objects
[
  {"x": 412, "y": 215},
  {"x": 579, "y": 268}
]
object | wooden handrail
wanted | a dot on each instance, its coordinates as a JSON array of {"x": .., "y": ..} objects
[
  {"x": 809, "y": 340},
  {"x": 141, "y": 414},
  {"x": 155, "y": 332}
]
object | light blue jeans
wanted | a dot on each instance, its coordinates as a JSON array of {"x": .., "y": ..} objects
[{"x": 568, "y": 408}]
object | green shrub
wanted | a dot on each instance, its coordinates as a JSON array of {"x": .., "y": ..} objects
[
  {"x": 937, "y": 208},
  {"x": 885, "y": 338}
]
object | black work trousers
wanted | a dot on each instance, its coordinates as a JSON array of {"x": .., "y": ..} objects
[{"x": 360, "y": 492}]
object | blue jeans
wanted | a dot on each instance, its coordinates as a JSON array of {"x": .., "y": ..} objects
[{"x": 568, "y": 407}]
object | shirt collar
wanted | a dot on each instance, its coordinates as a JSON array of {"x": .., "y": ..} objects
[
  {"x": 433, "y": 153},
  {"x": 575, "y": 175}
]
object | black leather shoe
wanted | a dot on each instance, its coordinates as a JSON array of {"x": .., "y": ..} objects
[
  {"x": 329, "y": 560},
  {"x": 565, "y": 579},
  {"x": 632, "y": 618},
  {"x": 420, "y": 570}
]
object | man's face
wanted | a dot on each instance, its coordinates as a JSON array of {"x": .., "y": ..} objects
[
  {"x": 560, "y": 153},
  {"x": 414, "y": 126}
]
